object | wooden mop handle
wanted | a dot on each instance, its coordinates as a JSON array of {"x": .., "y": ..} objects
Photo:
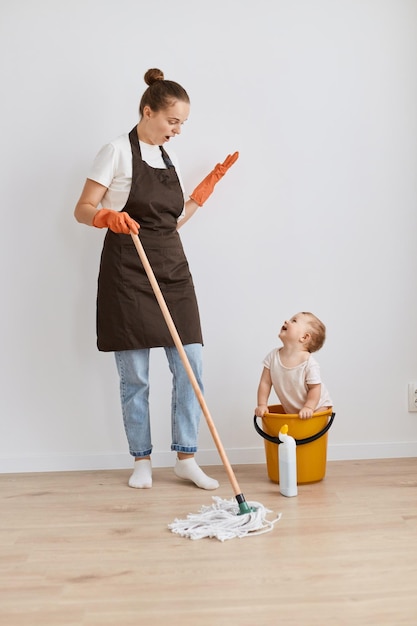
[{"x": 175, "y": 336}]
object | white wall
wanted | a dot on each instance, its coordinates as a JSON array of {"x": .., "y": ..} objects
[{"x": 319, "y": 213}]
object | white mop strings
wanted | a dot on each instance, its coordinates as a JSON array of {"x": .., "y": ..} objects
[{"x": 222, "y": 521}]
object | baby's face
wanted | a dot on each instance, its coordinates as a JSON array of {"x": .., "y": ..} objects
[{"x": 294, "y": 328}]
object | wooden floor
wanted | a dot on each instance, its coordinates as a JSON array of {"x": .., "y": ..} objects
[{"x": 83, "y": 549}]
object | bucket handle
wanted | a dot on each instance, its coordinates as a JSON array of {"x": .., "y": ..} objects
[{"x": 299, "y": 442}]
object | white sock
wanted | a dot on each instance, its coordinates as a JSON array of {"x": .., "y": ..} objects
[
  {"x": 142, "y": 475},
  {"x": 189, "y": 470}
]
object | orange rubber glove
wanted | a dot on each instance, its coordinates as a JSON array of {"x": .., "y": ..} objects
[
  {"x": 206, "y": 187},
  {"x": 117, "y": 221}
]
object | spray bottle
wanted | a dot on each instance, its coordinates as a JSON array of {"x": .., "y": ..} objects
[{"x": 287, "y": 463}]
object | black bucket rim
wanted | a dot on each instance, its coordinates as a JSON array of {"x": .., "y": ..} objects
[{"x": 298, "y": 442}]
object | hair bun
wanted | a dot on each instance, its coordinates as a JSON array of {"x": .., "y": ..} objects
[{"x": 153, "y": 75}]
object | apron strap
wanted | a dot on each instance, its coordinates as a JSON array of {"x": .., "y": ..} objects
[{"x": 166, "y": 159}]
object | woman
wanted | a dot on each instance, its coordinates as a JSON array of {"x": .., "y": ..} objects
[{"x": 138, "y": 186}]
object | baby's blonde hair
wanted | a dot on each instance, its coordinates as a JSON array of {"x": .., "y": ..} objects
[{"x": 317, "y": 332}]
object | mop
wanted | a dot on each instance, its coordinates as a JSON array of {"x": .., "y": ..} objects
[{"x": 224, "y": 519}]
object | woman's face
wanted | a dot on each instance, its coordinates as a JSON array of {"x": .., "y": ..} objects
[{"x": 157, "y": 127}]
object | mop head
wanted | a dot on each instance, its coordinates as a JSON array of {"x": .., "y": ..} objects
[{"x": 222, "y": 521}]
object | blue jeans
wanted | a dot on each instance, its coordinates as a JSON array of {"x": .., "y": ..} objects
[{"x": 133, "y": 368}]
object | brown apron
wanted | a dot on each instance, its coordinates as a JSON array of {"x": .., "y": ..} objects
[{"x": 128, "y": 314}]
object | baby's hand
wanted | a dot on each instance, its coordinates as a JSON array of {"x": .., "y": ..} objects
[
  {"x": 306, "y": 412},
  {"x": 261, "y": 409}
]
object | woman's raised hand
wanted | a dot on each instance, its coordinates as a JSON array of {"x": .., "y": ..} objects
[{"x": 206, "y": 187}]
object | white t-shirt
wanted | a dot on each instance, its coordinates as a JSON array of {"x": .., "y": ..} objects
[
  {"x": 112, "y": 168},
  {"x": 290, "y": 383}
]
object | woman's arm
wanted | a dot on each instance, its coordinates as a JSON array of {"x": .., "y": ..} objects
[
  {"x": 91, "y": 196},
  {"x": 86, "y": 211},
  {"x": 204, "y": 190},
  {"x": 190, "y": 207}
]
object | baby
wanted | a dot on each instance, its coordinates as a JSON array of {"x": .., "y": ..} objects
[{"x": 293, "y": 371}]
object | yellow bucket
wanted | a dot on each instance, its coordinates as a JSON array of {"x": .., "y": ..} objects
[{"x": 311, "y": 439}]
